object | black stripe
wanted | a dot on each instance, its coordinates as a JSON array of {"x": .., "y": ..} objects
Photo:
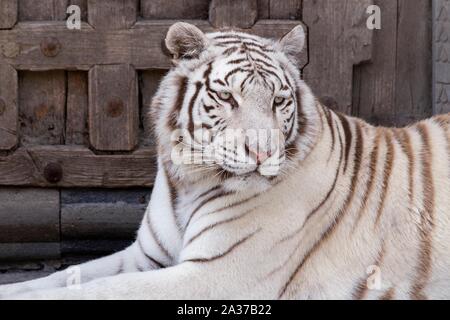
[
  {"x": 235, "y": 70},
  {"x": 340, "y": 215},
  {"x": 182, "y": 83},
  {"x": 230, "y": 51},
  {"x": 198, "y": 86},
  {"x": 152, "y": 260},
  {"x": 214, "y": 225},
  {"x": 348, "y": 139},
  {"x": 220, "y": 82},
  {"x": 156, "y": 238},
  {"x": 330, "y": 125},
  {"x": 173, "y": 196},
  {"x": 226, "y": 252},
  {"x": 206, "y": 201},
  {"x": 237, "y": 61}
]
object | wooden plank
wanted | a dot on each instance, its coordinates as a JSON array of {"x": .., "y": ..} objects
[
  {"x": 29, "y": 215},
  {"x": 374, "y": 91},
  {"x": 112, "y": 14},
  {"x": 286, "y": 9},
  {"x": 149, "y": 83},
  {"x": 8, "y": 107},
  {"x": 8, "y": 13},
  {"x": 77, "y": 108},
  {"x": 413, "y": 88},
  {"x": 232, "y": 13},
  {"x": 78, "y": 166},
  {"x": 180, "y": 9},
  {"x": 29, "y": 251},
  {"x": 113, "y": 108},
  {"x": 42, "y": 101},
  {"x": 263, "y": 9},
  {"x": 82, "y": 49},
  {"x": 83, "y": 6},
  {"x": 339, "y": 39},
  {"x": 30, "y": 10},
  {"x": 102, "y": 214},
  {"x": 441, "y": 56},
  {"x": 93, "y": 248}
]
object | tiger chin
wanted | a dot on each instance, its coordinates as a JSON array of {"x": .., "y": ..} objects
[{"x": 349, "y": 211}]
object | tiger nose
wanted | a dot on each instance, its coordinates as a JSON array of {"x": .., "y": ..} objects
[{"x": 258, "y": 157}]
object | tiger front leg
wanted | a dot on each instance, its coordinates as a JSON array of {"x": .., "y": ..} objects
[
  {"x": 128, "y": 260},
  {"x": 184, "y": 281}
]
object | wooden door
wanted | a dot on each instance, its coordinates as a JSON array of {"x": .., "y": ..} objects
[{"x": 73, "y": 103}]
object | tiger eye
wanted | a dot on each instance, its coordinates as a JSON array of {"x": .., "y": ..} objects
[
  {"x": 224, "y": 95},
  {"x": 279, "y": 100}
]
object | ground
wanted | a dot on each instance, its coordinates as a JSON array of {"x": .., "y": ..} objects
[{"x": 16, "y": 272}]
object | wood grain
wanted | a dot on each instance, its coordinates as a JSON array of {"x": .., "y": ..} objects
[
  {"x": 233, "y": 13},
  {"x": 8, "y": 13},
  {"x": 149, "y": 83},
  {"x": 77, "y": 108},
  {"x": 8, "y": 107},
  {"x": 139, "y": 46},
  {"x": 112, "y": 14},
  {"x": 374, "y": 83},
  {"x": 286, "y": 9},
  {"x": 414, "y": 62},
  {"x": 180, "y": 9},
  {"x": 29, "y": 10},
  {"x": 33, "y": 210},
  {"x": 113, "y": 108},
  {"x": 80, "y": 167},
  {"x": 441, "y": 56},
  {"x": 395, "y": 87},
  {"x": 42, "y": 101},
  {"x": 102, "y": 214},
  {"x": 339, "y": 39}
]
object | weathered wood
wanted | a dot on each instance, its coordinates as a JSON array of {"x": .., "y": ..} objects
[
  {"x": 112, "y": 14},
  {"x": 113, "y": 108},
  {"x": 30, "y": 10},
  {"x": 83, "y": 7},
  {"x": 82, "y": 49},
  {"x": 8, "y": 107},
  {"x": 42, "y": 100},
  {"x": 338, "y": 40},
  {"x": 263, "y": 9},
  {"x": 29, "y": 251},
  {"x": 441, "y": 56},
  {"x": 395, "y": 87},
  {"x": 149, "y": 84},
  {"x": 77, "y": 108},
  {"x": 286, "y": 9},
  {"x": 102, "y": 214},
  {"x": 28, "y": 215},
  {"x": 8, "y": 13},
  {"x": 414, "y": 62},
  {"x": 233, "y": 13},
  {"x": 180, "y": 9},
  {"x": 92, "y": 248},
  {"x": 374, "y": 91},
  {"x": 79, "y": 167}
]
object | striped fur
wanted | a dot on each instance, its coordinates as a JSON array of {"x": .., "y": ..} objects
[{"x": 356, "y": 211}]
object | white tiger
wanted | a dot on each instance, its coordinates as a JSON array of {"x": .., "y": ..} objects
[{"x": 353, "y": 212}]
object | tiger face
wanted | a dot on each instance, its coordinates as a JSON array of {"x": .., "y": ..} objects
[{"x": 233, "y": 104}]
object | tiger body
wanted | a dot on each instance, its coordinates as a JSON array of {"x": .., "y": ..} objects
[{"x": 352, "y": 204}]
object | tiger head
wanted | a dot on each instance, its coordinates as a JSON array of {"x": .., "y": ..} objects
[{"x": 233, "y": 105}]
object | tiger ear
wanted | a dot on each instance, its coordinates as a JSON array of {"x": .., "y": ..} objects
[
  {"x": 293, "y": 42},
  {"x": 185, "y": 41}
]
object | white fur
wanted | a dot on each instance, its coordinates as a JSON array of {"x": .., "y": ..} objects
[{"x": 265, "y": 253}]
